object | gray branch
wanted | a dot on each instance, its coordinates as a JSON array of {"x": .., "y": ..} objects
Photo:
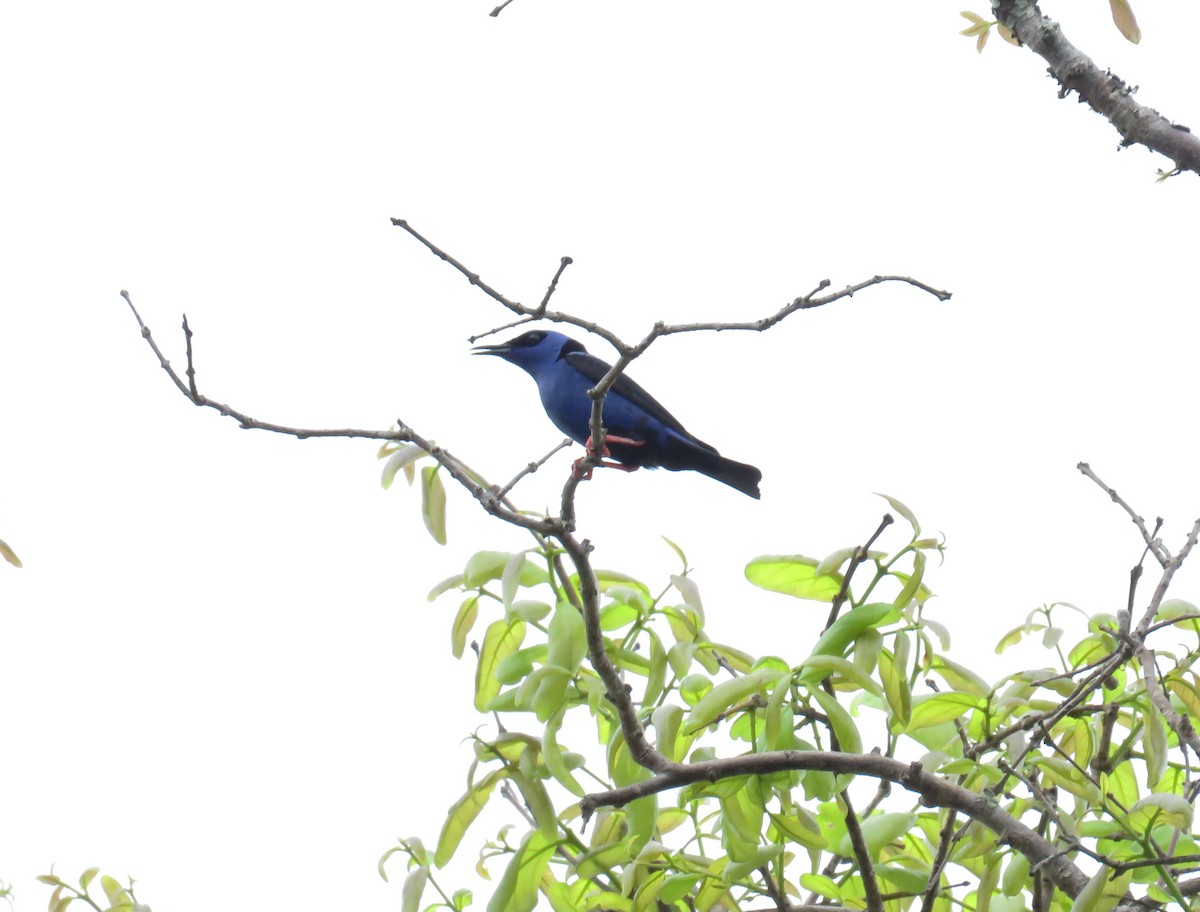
[{"x": 1104, "y": 92}]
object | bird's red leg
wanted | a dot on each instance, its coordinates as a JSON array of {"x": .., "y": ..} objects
[{"x": 608, "y": 438}]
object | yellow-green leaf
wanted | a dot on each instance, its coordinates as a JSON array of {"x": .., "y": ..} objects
[
  {"x": 517, "y": 890},
  {"x": 398, "y": 460},
  {"x": 1102, "y": 892},
  {"x": 725, "y": 695},
  {"x": 433, "y": 503},
  {"x": 793, "y": 575},
  {"x": 829, "y": 664},
  {"x": 942, "y": 707},
  {"x": 501, "y": 640},
  {"x": 468, "y": 611},
  {"x": 462, "y": 814},
  {"x": 849, "y": 740},
  {"x": 414, "y": 886},
  {"x": 902, "y": 509}
]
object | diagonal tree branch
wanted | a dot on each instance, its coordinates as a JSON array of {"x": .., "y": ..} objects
[{"x": 1104, "y": 92}]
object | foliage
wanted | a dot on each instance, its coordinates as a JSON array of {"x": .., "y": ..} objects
[
  {"x": 980, "y": 28},
  {"x": 116, "y": 898},
  {"x": 1006, "y": 783}
]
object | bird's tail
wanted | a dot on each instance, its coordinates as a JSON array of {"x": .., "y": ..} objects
[{"x": 735, "y": 474}]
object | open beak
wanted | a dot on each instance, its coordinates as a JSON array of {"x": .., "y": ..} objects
[{"x": 501, "y": 349}]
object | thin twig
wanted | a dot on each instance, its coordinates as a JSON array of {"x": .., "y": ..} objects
[
  {"x": 860, "y": 555},
  {"x": 191, "y": 367},
  {"x": 563, "y": 264},
  {"x": 1156, "y": 546},
  {"x": 533, "y": 467}
]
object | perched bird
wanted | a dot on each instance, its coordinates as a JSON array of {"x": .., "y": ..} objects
[{"x": 638, "y": 431}]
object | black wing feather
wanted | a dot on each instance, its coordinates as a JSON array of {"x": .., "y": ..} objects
[{"x": 595, "y": 368}]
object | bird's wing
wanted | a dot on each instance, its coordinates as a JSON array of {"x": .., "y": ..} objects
[{"x": 594, "y": 369}]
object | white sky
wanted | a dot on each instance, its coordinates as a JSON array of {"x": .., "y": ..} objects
[{"x": 219, "y": 672}]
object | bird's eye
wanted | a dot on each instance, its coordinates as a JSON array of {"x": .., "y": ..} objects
[{"x": 533, "y": 338}]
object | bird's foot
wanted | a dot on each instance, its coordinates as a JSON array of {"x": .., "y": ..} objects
[{"x": 585, "y": 474}]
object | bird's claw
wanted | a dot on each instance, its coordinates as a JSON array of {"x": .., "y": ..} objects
[{"x": 586, "y": 473}]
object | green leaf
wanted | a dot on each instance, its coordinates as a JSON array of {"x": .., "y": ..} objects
[
  {"x": 1121, "y": 782},
  {"x": 468, "y": 611},
  {"x": 1154, "y": 745},
  {"x": 678, "y": 551},
  {"x": 725, "y": 695},
  {"x": 433, "y": 503},
  {"x": 414, "y": 887},
  {"x": 1100, "y": 893},
  {"x": 666, "y": 721},
  {"x": 1010, "y": 639},
  {"x": 793, "y": 575},
  {"x": 567, "y": 637},
  {"x": 1173, "y": 608},
  {"x": 514, "y": 667},
  {"x": 1016, "y": 875},
  {"x": 821, "y": 885},
  {"x": 879, "y": 831},
  {"x": 483, "y": 567},
  {"x": 1187, "y": 695},
  {"x": 799, "y": 826},
  {"x": 1162, "y": 809},
  {"x": 450, "y": 582},
  {"x": 551, "y": 692},
  {"x": 867, "y": 646},
  {"x": 832, "y": 563},
  {"x": 846, "y": 629},
  {"x": 829, "y": 664},
  {"x": 912, "y": 583},
  {"x": 942, "y": 707},
  {"x": 552, "y": 754},
  {"x": 1061, "y": 773},
  {"x": 960, "y": 677},
  {"x": 510, "y": 579},
  {"x": 501, "y": 640},
  {"x": 517, "y": 890},
  {"x": 849, "y": 740},
  {"x": 537, "y": 799},
  {"x": 676, "y": 886},
  {"x": 987, "y": 885},
  {"x": 404, "y": 456},
  {"x": 904, "y": 512},
  {"x": 691, "y": 593},
  {"x": 529, "y": 610},
  {"x": 462, "y": 814},
  {"x": 895, "y": 684}
]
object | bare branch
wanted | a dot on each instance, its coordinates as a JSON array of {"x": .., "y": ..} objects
[
  {"x": 1152, "y": 541},
  {"x": 1103, "y": 92},
  {"x": 458, "y": 470},
  {"x": 472, "y": 277},
  {"x": 563, "y": 264},
  {"x": 860, "y": 554},
  {"x": 935, "y": 791},
  {"x": 533, "y": 467}
]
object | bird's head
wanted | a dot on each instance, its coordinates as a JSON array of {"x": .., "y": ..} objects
[{"x": 534, "y": 350}]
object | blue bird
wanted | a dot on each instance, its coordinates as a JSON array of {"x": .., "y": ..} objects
[{"x": 638, "y": 431}]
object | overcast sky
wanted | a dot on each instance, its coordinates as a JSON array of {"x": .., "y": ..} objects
[{"x": 219, "y": 670}]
